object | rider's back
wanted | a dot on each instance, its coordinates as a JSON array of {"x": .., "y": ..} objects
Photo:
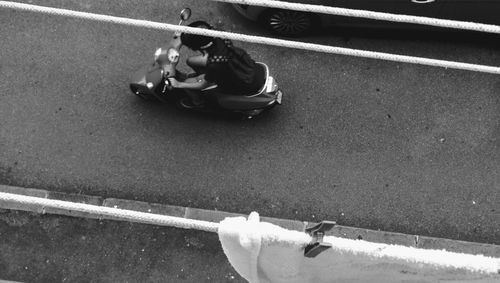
[{"x": 232, "y": 69}]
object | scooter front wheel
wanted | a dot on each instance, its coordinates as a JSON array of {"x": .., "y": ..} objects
[{"x": 137, "y": 91}]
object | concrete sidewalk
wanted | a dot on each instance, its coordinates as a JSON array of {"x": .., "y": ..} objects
[
  {"x": 54, "y": 248},
  {"x": 38, "y": 246}
]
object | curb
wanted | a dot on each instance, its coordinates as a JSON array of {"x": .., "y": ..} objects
[{"x": 407, "y": 240}]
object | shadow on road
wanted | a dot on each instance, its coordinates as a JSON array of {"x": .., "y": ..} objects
[{"x": 166, "y": 110}]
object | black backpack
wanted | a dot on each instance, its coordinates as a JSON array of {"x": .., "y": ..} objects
[{"x": 240, "y": 63}]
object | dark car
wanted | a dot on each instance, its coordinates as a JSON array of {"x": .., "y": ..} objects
[{"x": 294, "y": 23}]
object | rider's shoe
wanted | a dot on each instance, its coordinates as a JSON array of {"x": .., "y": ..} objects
[{"x": 188, "y": 104}]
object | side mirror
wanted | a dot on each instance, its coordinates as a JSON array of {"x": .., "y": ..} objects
[{"x": 185, "y": 14}]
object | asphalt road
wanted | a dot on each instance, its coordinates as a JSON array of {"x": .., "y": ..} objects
[{"x": 367, "y": 143}]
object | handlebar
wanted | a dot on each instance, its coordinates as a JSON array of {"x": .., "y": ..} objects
[{"x": 168, "y": 85}]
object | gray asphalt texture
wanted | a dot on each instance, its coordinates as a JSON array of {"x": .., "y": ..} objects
[
  {"x": 47, "y": 248},
  {"x": 366, "y": 143}
]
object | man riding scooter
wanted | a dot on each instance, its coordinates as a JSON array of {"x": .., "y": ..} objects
[
  {"x": 226, "y": 79},
  {"x": 220, "y": 65}
]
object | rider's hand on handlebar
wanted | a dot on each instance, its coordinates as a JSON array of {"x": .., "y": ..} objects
[{"x": 173, "y": 82}]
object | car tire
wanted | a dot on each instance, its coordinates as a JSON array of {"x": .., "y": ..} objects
[{"x": 288, "y": 22}]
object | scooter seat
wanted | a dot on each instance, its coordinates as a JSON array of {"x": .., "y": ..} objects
[
  {"x": 261, "y": 75},
  {"x": 260, "y": 82},
  {"x": 253, "y": 100},
  {"x": 240, "y": 101}
]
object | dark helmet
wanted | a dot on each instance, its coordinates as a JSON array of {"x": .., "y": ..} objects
[{"x": 195, "y": 41}]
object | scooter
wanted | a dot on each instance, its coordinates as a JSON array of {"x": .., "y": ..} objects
[{"x": 152, "y": 83}]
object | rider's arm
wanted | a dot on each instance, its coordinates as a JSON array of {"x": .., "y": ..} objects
[{"x": 196, "y": 83}]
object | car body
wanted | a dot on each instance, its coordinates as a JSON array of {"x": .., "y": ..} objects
[{"x": 293, "y": 23}]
